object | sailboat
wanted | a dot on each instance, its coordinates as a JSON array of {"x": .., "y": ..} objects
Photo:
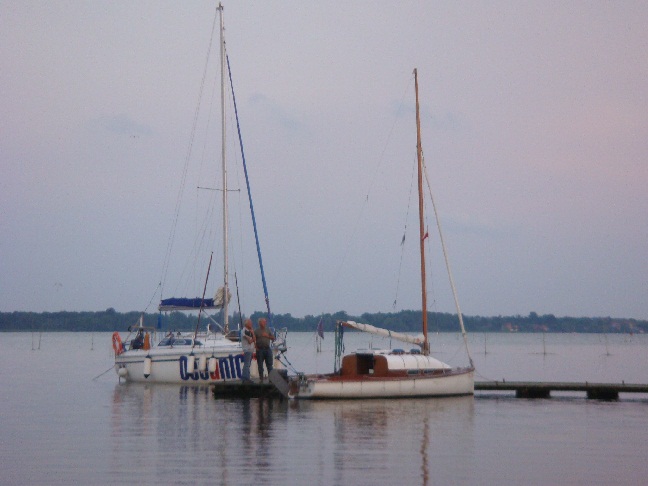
[
  {"x": 392, "y": 373},
  {"x": 203, "y": 356}
]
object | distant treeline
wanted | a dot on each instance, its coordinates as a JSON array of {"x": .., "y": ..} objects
[{"x": 407, "y": 321}]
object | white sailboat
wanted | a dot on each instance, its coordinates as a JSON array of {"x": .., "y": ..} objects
[
  {"x": 392, "y": 373},
  {"x": 203, "y": 357}
]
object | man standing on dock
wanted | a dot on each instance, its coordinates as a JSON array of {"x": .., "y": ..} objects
[
  {"x": 248, "y": 342},
  {"x": 263, "y": 351}
]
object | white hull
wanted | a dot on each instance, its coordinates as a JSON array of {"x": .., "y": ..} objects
[
  {"x": 211, "y": 364},
  {"x": 321, "y": 387},
  {"x": 172, "y": 367}
]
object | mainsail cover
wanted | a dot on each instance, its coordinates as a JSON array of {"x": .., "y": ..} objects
[
  {"x": 184, "y": 303},
  {"x": 408, "y": 338}
]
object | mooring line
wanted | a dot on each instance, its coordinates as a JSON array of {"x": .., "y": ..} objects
[{"x": 99, "y": 376}]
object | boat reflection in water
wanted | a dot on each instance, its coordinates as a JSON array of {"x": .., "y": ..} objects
[
  {"x": 407, "y": 438},
  {"x": 169, "y": 434}
]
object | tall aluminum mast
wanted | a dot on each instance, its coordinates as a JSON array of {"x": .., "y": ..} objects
[{"x": 224, "y": 162}]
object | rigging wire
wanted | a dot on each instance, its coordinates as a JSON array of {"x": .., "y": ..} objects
[
  {"x": 238, "y": 300},
  {"x": 204, "y": 230},
  {"x": 249, "y": 191},
  {"x": 183, "y": 179},
  {"x": 371, "y": 184},
  {"x": 447, "y": 263},
  {"x": 204, "y": 235},
  {"x": 237, "y": 266},
  {"x": 431, "y": 292},
  {"x": 402, "y": 244},
  {"x": 159, "y": 286},
  {"x": 202, "y": 303}
]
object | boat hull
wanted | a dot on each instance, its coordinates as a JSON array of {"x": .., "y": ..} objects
[
  {"x": 175, "y": 366},
  {"x": 454, "y": 383}
]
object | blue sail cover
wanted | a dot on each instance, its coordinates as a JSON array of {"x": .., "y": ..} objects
[{"x": 183, "y": 303}]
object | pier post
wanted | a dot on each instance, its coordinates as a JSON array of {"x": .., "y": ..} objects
[
  {"x": 532, "y": 392},
  {"x": 602, "y": 394}
]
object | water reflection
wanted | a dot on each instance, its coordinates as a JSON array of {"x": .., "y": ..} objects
[
  {"x": 182, "y": 432},
  {"x": 174, "y": 433},
  {"x": 86, "y": 431},
  {"x": 410, "y": 439},
  {"x": 425, "y": 472},
  {"x": 257, "y": 432}
]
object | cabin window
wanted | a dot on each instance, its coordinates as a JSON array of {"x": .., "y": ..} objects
[{"x": 365, "y": 364}]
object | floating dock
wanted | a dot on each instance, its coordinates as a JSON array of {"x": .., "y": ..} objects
[
  {"x": 530, "y": 389},
  {"x": 237, "y": 389},
  {"x": 274, "y": 386}
]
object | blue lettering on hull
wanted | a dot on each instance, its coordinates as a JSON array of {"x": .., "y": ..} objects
[{"x": 228, "y": 368}]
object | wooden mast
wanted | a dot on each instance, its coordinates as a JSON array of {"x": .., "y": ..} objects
[{"x": 422, "y": 236}]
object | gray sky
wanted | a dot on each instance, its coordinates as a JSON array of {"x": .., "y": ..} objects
[{"x": 534, "y": 126}]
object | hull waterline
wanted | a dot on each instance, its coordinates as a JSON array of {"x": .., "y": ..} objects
[{"x": 455, "y": 383}]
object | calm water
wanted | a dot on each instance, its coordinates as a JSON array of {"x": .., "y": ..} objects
[{"x": 60, "y": 427}]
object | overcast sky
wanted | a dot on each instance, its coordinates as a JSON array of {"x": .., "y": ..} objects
[{"x": 534, "y": 127}]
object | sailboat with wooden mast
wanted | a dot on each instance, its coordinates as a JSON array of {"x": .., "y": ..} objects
[{"x": 392, "y": 373}]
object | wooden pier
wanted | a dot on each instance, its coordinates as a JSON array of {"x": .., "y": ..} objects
[
  {"x": 274, "y": 386},
  {"x": 530, "y": 389},
  {"x": 522, "y": 389}
]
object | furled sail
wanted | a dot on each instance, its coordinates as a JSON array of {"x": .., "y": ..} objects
[
  {"x": 408, "y": 338},
  {"x": 218, "y": 298}
]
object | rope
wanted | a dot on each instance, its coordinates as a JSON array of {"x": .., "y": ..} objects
[
  {"x": 486, "y": 378},
  {"x": 99, "y": 376},
  {"x": 281, "y": 357}
]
